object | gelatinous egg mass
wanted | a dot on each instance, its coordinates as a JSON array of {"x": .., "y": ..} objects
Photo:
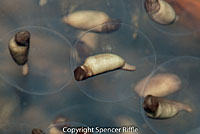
[
  {"x": 48, "y": 62},
  {"x": 114, "y": 85},
  {"x": 185, "y": 100}
]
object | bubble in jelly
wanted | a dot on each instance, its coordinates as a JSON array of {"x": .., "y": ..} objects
[
  {"x": 48, "y": 61},
  {"x": 187, "y": 69},
  {"x": 115, "y": 85},
  {"x": 187, "y": 18}
]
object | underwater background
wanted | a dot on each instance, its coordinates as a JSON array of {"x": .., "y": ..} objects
[{"x": 107, "y": 100}]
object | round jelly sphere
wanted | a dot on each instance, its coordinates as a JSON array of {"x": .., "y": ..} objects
[
  {"x": 186, "y": 21},
  {"x": 133, "y": 103},
  {"x": 114, "y": 85},
  {"x": 185, "y": 72},
  {"x": 48, "y": 62}
]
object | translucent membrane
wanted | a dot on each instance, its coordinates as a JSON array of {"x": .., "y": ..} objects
[
  {"x": 114, "y": 85},
  {"x": 133, "y": 103},
  {"x": 187, "y": 18},
  {"x": 187, "y": 69},
  {"x": 48, "y": 61}
]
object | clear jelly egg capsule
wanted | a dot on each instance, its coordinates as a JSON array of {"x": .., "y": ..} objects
[
  {"x": 133, "y": 103},
  {"x": 181, "y": 71},
  {"x": 178, "y": 17},
  {"x": 114, "y": 85},
  {"x": 47, "y": 68}
]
